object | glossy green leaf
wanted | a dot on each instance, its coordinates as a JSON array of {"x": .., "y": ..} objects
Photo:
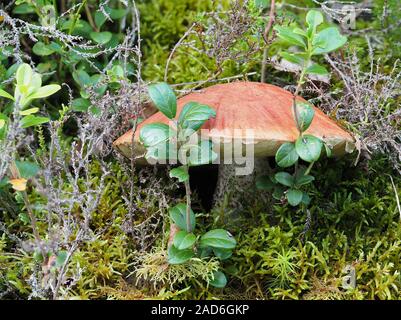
[
  {"x": 287, "y": 34},
  {"x": 284, "y": 178},
  {"x": 184, "y": 240},
  {"x": 178, "y": 216},
  {"x": 176, "y": 256},
  {"x": 41, "y": 49},
  {"x": 286, "y": 155},
  {"x": 5, "y": 94},
  {"x": 219, "y": 280},
  {"x": 317, "y": 69},
  {"x": 29, "y": 111},
  {"x": 101, "y": 37},
  {"x": 61, "y": 258},
  {"x": 3, "y": 125},
  {"x": 305, "y": 114},
  {"x": 222, "y": 254},
  {"x": 262, "y": 4},
  {"x": 305, "y": 199},
  {"x": 164, "y": 99},
  {"x": 328, "y": 150},
  {"x": 264, "y": 183},
  {"x": 24, "y": 8},
  {"x": 308, "y": 147},
  {"x": 100, "y": 19},
  {"x": 301, "y": 180},
  {"x": 194, "y": 115},
  {"x": 82, "y": 78},
  {"x": 80, "y": 105},
  {"x": 45, "y": 91},
  {"x": 154, "y": 133},
  {"x": 27, "y": 169},
  {"x": 31, "y": 120},
  {"x": 218, "y": 238},
  {"x": 294, "y": 197},
  {"x": 197, "y": 155},
  {"x": 293, "y": 58},
  {"x": 314, "y": 18},
  {"x": 24, "y": 74},
  {"x": 163, "y": 151},
  {"x": 328, "y": 40},
  {"x": 180, "y": 173},
  {"x": 278, "y": 192}
]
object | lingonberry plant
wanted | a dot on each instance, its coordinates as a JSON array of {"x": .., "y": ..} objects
[
  {"x": 179, "y": 140},
  {"x": 309, "y": 43}
]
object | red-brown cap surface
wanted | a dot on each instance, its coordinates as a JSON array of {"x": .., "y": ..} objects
[{"x": 266, "y": 109}]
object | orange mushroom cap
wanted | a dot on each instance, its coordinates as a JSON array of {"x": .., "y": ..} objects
[{"x": 266, "y": 109}]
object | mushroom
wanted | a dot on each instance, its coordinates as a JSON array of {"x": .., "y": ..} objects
[{"x": 263, "y": 109}]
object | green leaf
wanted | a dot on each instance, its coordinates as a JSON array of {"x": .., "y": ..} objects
[
  {"x": 286, "y": 155},
  {"x": 262, "y": 4},
  {"x": 153, "y": 134},
  {"x": 61, "y": 258},
  {"x": 5, "y": 94},
  {"x": 287, "y": 34},
  {"x": 278, "y": 192},
  {"x": 31, "y": 120},
  {"x": 162, "y": 151},
  {"x": 305, "y": 199},
  {"x": 317, "y": 69},
  {"x": 180, "y": 173},
  {"x": 3, "y": 127},
  {"x": 45, "y": 91},
  {"x": 294, "y": 197},
  {"x": 314, "y": 18},
  {"x": 305, "y": 114},
  {"x": 264, "y": 183},
  {"x": 178, "y": 216},
  {"x": 176, "y": 256},
  {"x": 301, "y": 180},
  {"x": 308, "y": 147},
  {"x": 24, "y": 8},
  {"x": 194, "y": 115},
  {"x": 27, "y": 169},
  {"x": 293, "y": 58},
  {"x": 118, "y": 13},
  {"x": 222, "y": 254},
  {"x": 29, "y": 111},
  {"x": 24, "y": 74},
  {"x": 184, "y": 240},
  {"x": 80, "y": 105},
  {"x": 199, "y": 154},
  {"x": 41, "y": 49},
  {"x": 218, "y": 238},
  {"x": 219, "y": 280},
  {"x": 284, "y": 178},
  {"x": 82, "y": 78},
  {"x": 328, "y": 40},
  {"x": 164, "y": 99},
  {"x": 100, "y": 19},
  {"x": 101, "y": 37},
  {"x": 328, "y": 150}
]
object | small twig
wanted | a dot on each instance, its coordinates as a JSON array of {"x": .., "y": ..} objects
[
  {"x": 175, "y": 48},
  {"x": 266, "y": 39}
]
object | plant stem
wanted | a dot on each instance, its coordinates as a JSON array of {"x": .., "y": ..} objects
[
  {"x": 76, "y": 17},
  {"x": 294, "y": 100},
  {"x": 188, "y": 195}
]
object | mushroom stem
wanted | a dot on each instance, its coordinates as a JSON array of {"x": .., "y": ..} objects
[{"x": 234, "y": 192}]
